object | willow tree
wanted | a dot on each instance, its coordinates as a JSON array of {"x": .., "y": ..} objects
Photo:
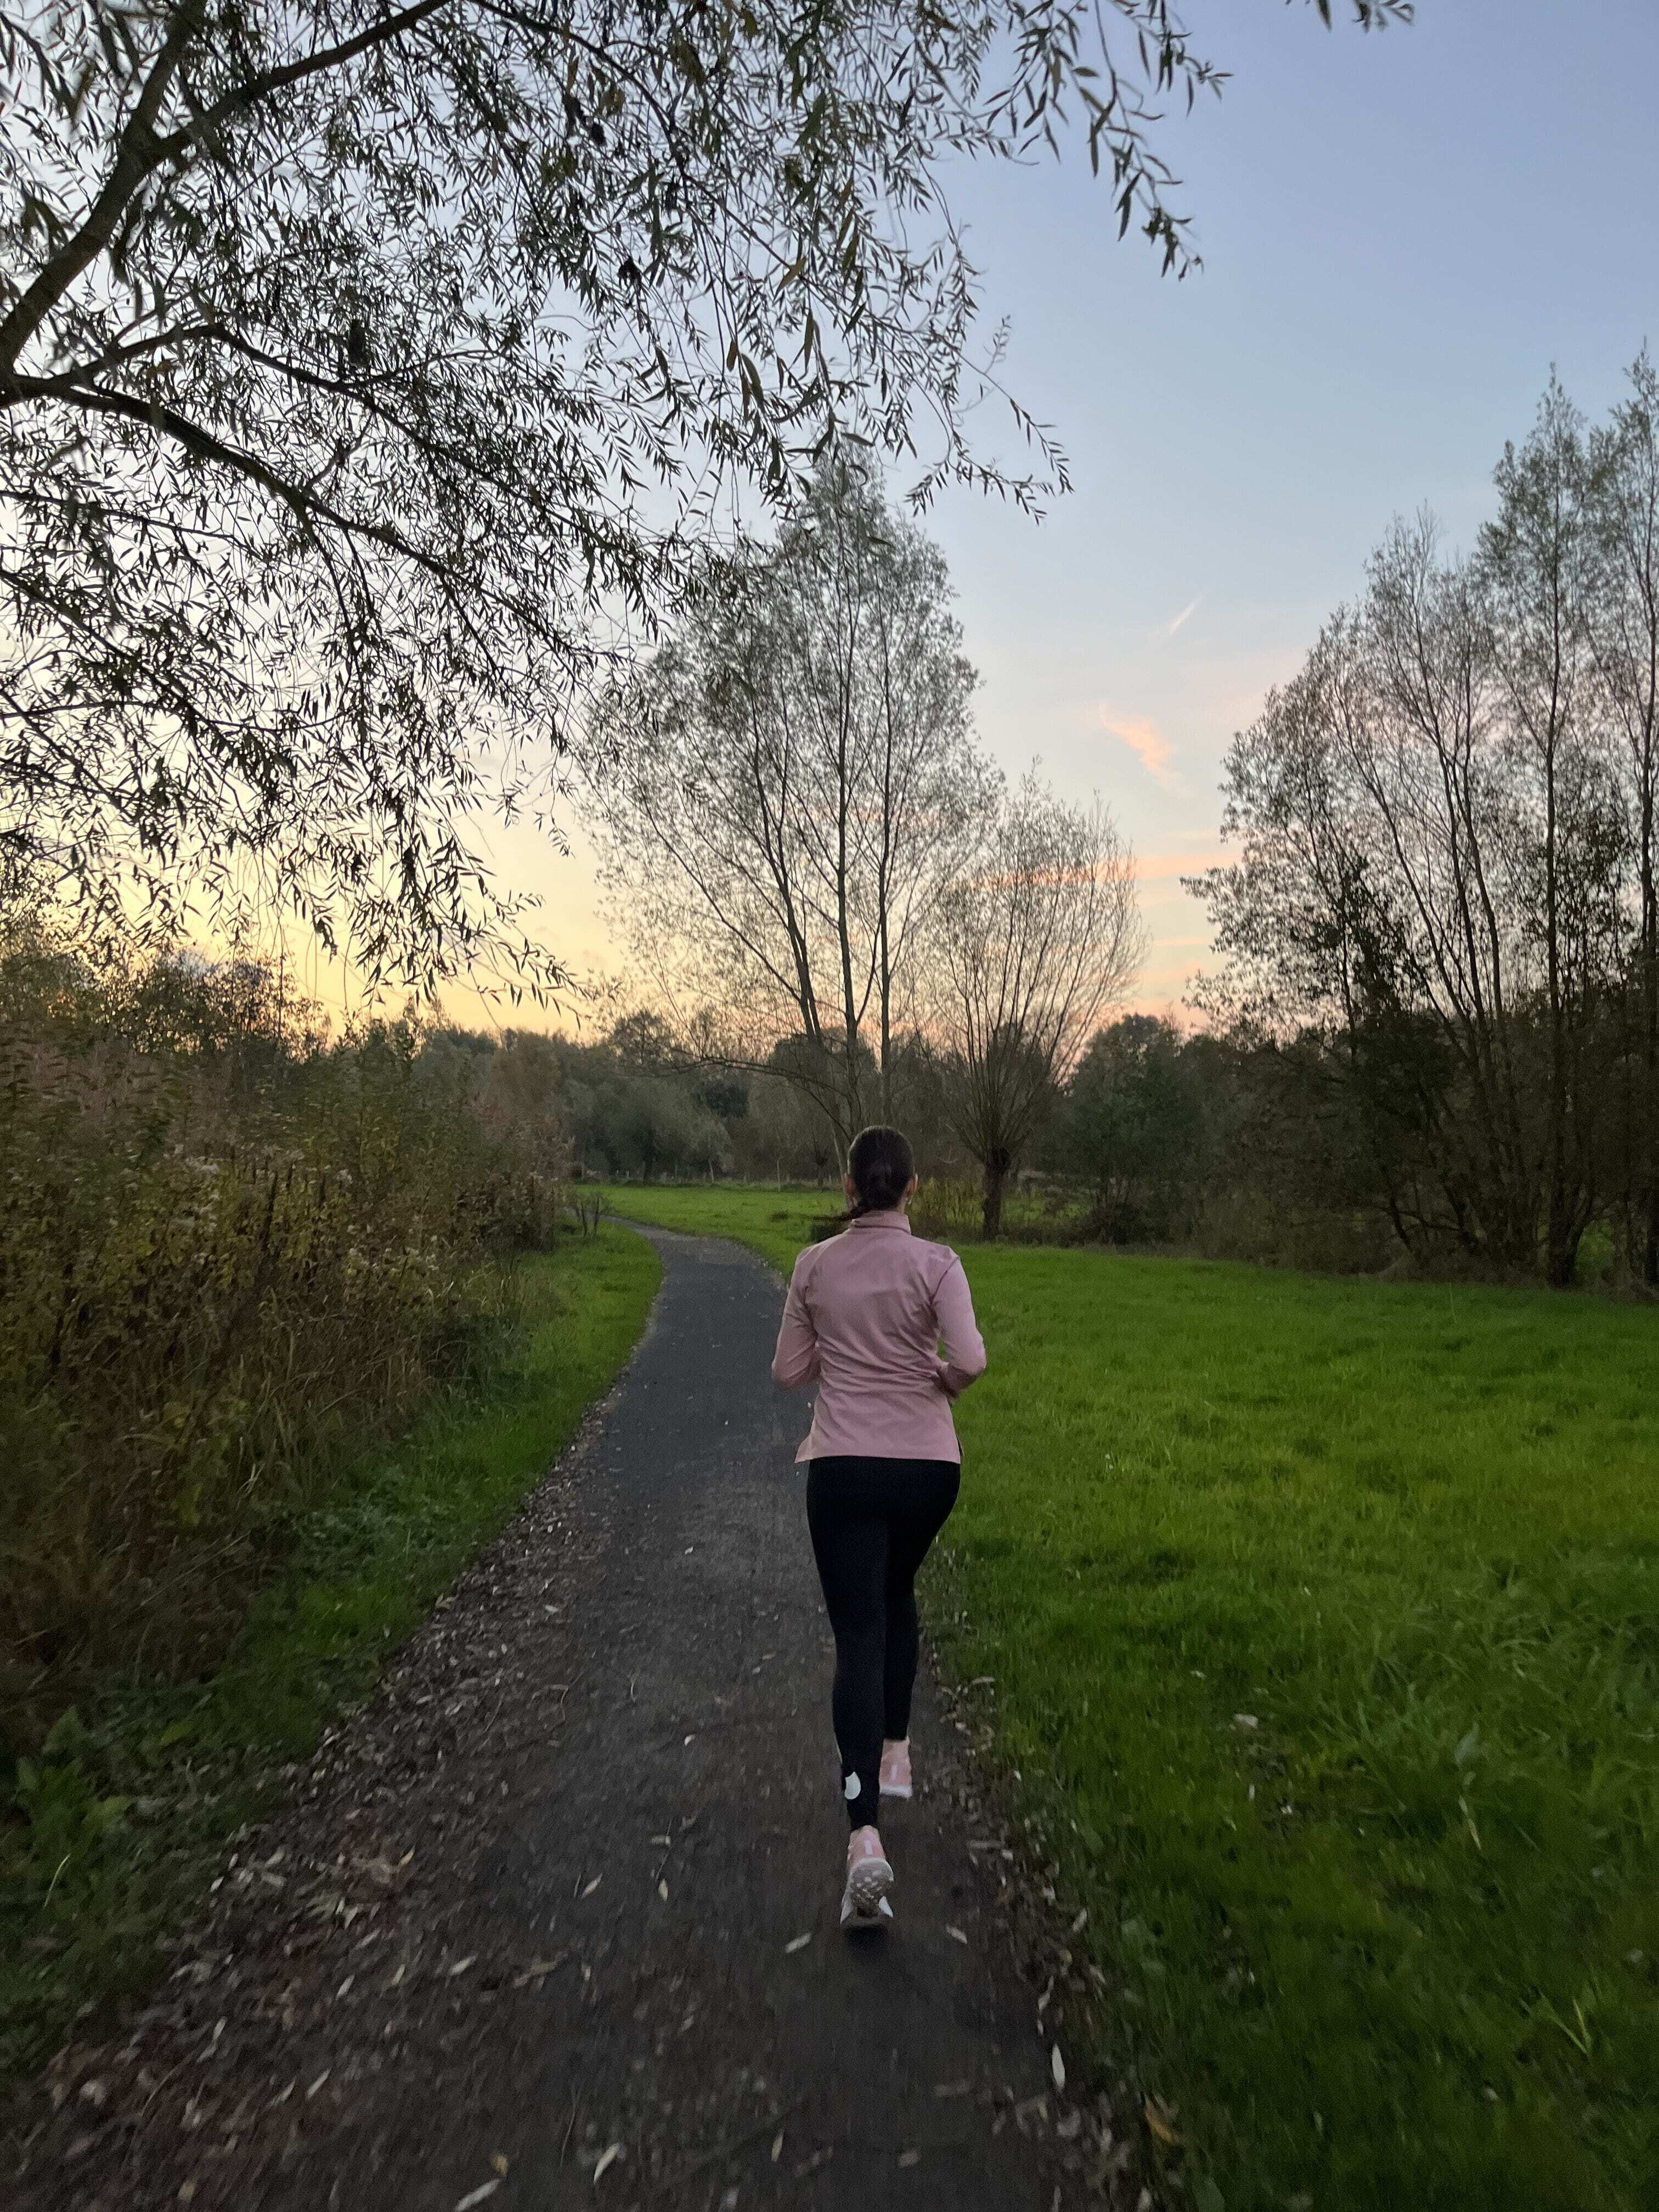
[
  {"x": 1033, "y": 944},
  {"x": 368, "y": 372},
  {"x": 788, "y": 786}
]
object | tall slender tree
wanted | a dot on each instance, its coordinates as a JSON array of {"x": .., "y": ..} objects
[
  {"x": 1034, "y": 942},
  {"x": 1624, "y": 639},
  {"x": 1538, "y": 573},
  {"x": 788, "y": 788}
]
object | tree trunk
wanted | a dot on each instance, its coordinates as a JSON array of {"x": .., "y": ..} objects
[
  {"x": 1648, "y": 1136},
  {"x": 996, "y": 1178}
]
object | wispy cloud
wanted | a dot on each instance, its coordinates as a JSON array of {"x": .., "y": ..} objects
[
  {"x": 1184, "y": 616},
  {"x": 1145, "y": 740}
]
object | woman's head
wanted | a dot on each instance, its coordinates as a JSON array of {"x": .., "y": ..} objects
[{"x": 881, "y": 1168}]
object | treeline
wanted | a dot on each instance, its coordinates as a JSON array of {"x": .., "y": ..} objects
[
  {"x": 230, "y": 1242},
  {"x": 1226, "y": 1145},
  {"x": 1162, "y": 1137}
]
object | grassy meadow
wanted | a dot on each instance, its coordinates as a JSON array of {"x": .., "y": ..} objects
[
  {"x": 105, "y": 1833},
  {"x": 1323, "y": 1617}
]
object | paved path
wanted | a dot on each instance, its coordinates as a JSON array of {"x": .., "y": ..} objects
[{"x": 610, "y": 1760}]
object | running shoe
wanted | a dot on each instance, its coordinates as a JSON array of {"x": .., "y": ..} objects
[
  {"x": 863, "y": 1902},
  {"x": 896, "y": 1769}
]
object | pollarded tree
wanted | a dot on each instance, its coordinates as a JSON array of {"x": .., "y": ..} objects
[
  {"x": 1033, "y": 944},
  {"x": 788, "y": 785},
  {"x": 369, "y": 369}
]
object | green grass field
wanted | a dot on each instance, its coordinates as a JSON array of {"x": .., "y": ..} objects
[
  {"x": 111, "y": 1842},
  {"x": 1323, "y": 1616}
]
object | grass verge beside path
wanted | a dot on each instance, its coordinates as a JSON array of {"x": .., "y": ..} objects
[
  {"x": 1324, "y": 1621},
  {"x": 112, "y": 1832}
]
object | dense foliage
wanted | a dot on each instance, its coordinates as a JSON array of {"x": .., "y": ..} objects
[{"x": 227, "y": 1242}]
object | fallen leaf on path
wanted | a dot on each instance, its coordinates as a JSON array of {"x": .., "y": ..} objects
[
  {"x": 535, "y": 1969},
  {"x": 662, "y": 1891},
  {"x": 1161, "y": 2121},
  {"x": 319, "y": 2083},
  {"x": 909, "y": 2158},
  {"x": 606, "y": 2161},
  {"x": 777, "y": 2147},
  {"x": 498, "y": 2162},
  {"x": 797, "y": 1943},
  {"x": 955, "y": 1933},
  {"x": 662, "y": 1839},
  {"x": 476, "y": 2196},
  {"x": 1245, "y": 1721},
  {"x": 952, "y": 2089},
  {"x": 461, "y": 1965},
  {"x": 594, "y": 1884},
  {"x": 1057, "y": 2067}
]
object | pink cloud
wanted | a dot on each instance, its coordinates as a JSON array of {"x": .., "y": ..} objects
[
  {"x": 1145, "y": 740},
  {"x": 1157, "y": 867}
]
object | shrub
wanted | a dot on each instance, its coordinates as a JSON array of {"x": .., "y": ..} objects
[{"x": 227, "y": 1241}]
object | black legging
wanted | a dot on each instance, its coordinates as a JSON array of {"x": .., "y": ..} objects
[{"x": 873, "y": 1521}]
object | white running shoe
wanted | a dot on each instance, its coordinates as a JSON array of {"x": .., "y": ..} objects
[{"x": 864, "y": 1902}]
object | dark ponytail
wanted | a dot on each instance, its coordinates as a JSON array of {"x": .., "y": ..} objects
[{"x": 879, "y": 1166}]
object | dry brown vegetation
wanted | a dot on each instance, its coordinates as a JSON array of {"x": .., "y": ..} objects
[{"x": 228, "y": 1241}]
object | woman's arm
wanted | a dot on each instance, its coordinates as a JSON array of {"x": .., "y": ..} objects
[
  {"x": 795, "y": 1362},
  {"x": 964, "y": 1348}
]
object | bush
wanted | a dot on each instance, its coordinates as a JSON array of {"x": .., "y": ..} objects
[
  {"x": 948, "y": 1208},
  {"x": 226, "y": 1242}
]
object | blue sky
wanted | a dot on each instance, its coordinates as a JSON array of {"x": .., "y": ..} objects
[{"x": 1401, "y": 232}]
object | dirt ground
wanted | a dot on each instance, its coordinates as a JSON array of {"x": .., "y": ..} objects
[{"x": 552, "y": 1922}]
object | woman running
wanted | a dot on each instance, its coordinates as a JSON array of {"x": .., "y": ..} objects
[{"x": 865, "y": 1315}]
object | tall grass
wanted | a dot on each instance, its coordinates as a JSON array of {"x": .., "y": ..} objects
[
  {"x": 229, "y": 1244},
  {"x": 114, "y": 1820}
]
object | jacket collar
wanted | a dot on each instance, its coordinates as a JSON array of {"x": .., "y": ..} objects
[{"x": 890, "y": 1218}]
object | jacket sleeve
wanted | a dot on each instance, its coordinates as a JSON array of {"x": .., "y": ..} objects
[
  {"x": 795, "y": 1362},
  {"x": 964, "y": 1348}
]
